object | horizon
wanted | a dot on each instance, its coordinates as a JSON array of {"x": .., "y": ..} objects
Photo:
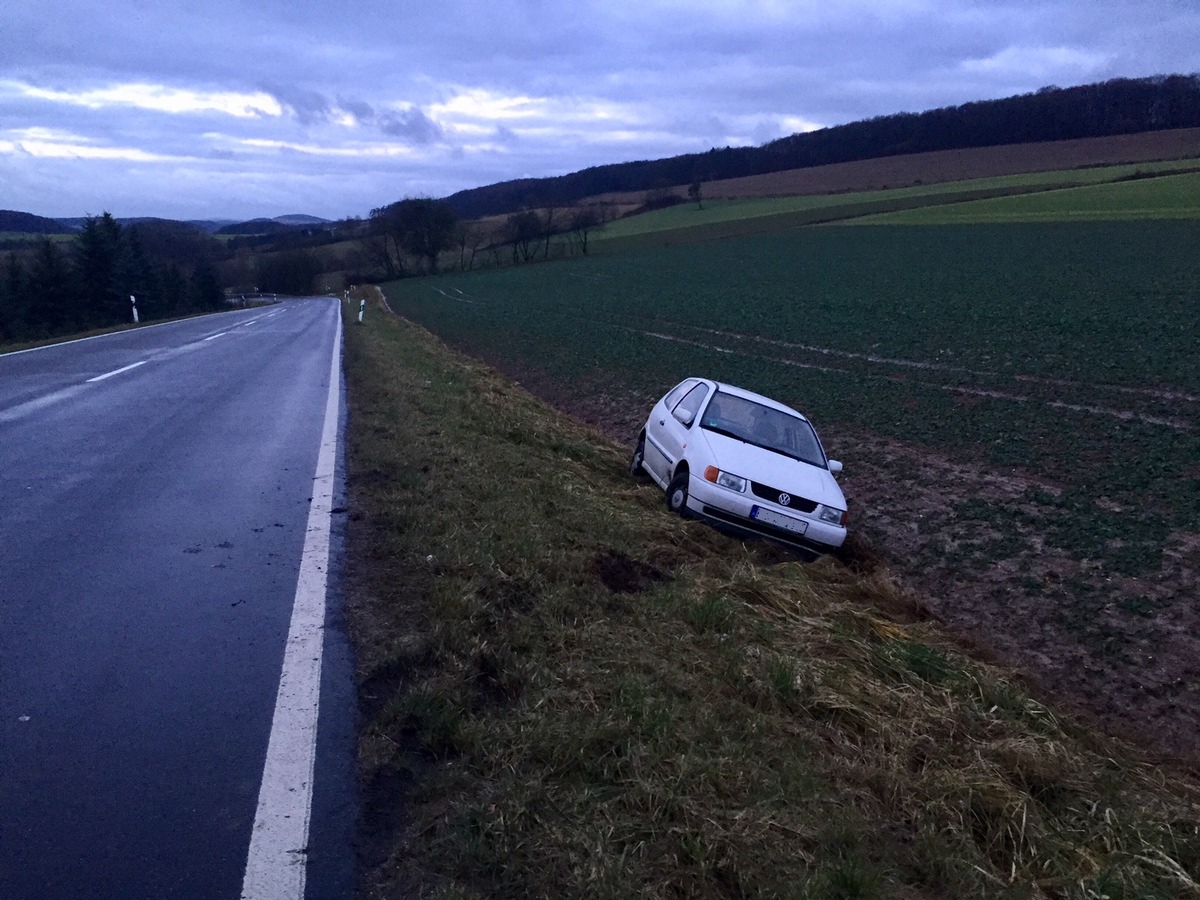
[
  {"x": 224, "y": 220},
  {"x": 200, "y": 112}
]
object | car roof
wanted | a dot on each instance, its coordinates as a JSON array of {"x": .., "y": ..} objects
[{"x": 751, "y": 395}]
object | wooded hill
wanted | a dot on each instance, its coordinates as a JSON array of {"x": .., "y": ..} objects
[
  {"x": 28, "y": 223},
  {"x": 1120, "y": 106}
]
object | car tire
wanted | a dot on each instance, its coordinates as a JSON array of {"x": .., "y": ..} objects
[
  {"x": 677, "y": 494},
  {"x": 636, "y": 467}
]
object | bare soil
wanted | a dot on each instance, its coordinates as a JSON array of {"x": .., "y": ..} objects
[{"x": 1121, "y": 653}]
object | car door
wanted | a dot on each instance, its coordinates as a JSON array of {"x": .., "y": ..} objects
[
  {"x": 669, "y": 427},
  {"x": 653, "y": 456}
]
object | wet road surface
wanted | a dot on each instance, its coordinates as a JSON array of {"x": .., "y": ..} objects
[{"x": 155, "y": 489}]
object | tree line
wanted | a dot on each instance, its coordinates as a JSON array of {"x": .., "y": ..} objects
[
  {"x": 86, "y": 282},
  {"x": 1119, "y": 106},
  {"x": 419, "y": 235}
]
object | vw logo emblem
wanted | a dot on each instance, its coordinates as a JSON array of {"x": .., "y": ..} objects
[{"x": 785, "y": 499}]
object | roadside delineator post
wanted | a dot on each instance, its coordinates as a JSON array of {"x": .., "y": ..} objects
[
  {"x": 133, "y": 301},
  {"x": 362, "y": 306}
]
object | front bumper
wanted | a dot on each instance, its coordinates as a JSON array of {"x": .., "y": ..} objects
[{"x": 730, "y": 510}]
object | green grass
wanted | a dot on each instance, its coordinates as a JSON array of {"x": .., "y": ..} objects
[
  {"x": 1165, "y": 197},
  {"x": 568, "y": 692}
]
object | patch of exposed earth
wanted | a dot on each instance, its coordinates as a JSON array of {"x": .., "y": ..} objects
[{"x": 1120, "y": 651}]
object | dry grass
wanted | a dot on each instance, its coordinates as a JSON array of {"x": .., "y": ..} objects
[{"x": 568, "y": 692}]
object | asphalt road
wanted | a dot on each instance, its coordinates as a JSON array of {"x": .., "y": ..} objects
[{"x": 155, "y": 490}]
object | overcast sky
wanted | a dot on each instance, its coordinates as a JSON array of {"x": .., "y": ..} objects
[{"x": 221, "y": 109}]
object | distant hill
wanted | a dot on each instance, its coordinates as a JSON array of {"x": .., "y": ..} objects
[
  {"x": 256, "y": 226},
  {"x": 1120, "y": 106},
  {"x": 28, "y": 223},
  {"x": 278, "y": 225},
  {"x": 209, "y": 226},
  {"x": 300, "y": 219},
  {"x": 206, "y": 225},
  {"x": 173, "y": 224}
]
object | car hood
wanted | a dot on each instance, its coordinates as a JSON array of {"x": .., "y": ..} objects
[{"x": 767, "y": 467}]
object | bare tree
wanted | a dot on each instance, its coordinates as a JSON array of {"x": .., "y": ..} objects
[
  {"x": 583, "y": 220},
  {"x": 548, "y": 229},
  {"x": 467, "y": 237},
  {"x": 524, "y": 231},
  {"x": 383, "y": 244},
  {"x": 420, "y": 227}
]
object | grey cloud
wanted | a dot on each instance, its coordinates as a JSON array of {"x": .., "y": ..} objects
[
  {"x": 411, "y": 125},
  {"x": 308, "y": 106},
  {"x": 361, "y": 110},
  {"x": 672, "y": 77}
]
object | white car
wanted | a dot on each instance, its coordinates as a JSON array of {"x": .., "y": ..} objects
[{"x": 743, "y": 462}]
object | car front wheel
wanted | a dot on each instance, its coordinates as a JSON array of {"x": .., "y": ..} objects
[
  {"x": 677, "y": 494},
  {"x": 639, "y": 457}
]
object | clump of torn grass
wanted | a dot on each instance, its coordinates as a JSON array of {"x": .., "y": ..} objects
[{"x": 568, "y": 692}]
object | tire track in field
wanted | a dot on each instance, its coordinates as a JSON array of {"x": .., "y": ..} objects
[
  {"x": 1124, "y": 415},
  {"x": 1156, "y": 394}
]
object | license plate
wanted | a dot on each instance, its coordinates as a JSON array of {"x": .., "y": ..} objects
[{"x": 770, "y": 517}]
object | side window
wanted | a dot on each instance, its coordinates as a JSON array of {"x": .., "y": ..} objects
[
  {"x": 677, "y": 392},
  {"x": 685, "y": 411}
]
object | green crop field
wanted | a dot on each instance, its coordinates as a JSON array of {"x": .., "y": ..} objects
[
  {"x": 1066, "y": 351},
  {"x": 1163, "y": 197}
]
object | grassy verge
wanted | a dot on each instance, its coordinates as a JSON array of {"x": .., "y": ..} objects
[{"x": 567, "y": 692}]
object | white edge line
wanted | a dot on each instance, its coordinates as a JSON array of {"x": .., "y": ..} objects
[
  {"x": 276, "y": 864},
  {"x": 117, "y": 371}
]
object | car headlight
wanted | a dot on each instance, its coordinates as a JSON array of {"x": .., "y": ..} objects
[
  {"x": 832, "y": 515},
  {"x": 725, "y": 479}
]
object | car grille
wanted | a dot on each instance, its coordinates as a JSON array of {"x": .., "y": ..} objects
[{"x": 775, "y": 495}]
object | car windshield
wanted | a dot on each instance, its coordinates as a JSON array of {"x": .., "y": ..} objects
[{"x": 764, "y": 427}]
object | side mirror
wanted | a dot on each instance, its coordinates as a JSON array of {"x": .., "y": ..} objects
[{"x": 835, "y": 466}]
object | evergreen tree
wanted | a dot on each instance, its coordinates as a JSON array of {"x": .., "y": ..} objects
[
  {"x": 172, "y": 291},
  {"x": 205, "y": 288},
  {"x": 13, "y": 301},
  {"x": 136, "y": 277},
  {"x": 97, "y": 257},
  {"x": 52, "y": 295}
]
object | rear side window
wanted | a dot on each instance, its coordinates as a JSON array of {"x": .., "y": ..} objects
[{"x": 685, "y": 411}]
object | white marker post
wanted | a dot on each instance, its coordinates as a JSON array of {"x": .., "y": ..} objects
[
  {"x": 362, "y": 306},
  {"x": 133, "y": 300}
]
